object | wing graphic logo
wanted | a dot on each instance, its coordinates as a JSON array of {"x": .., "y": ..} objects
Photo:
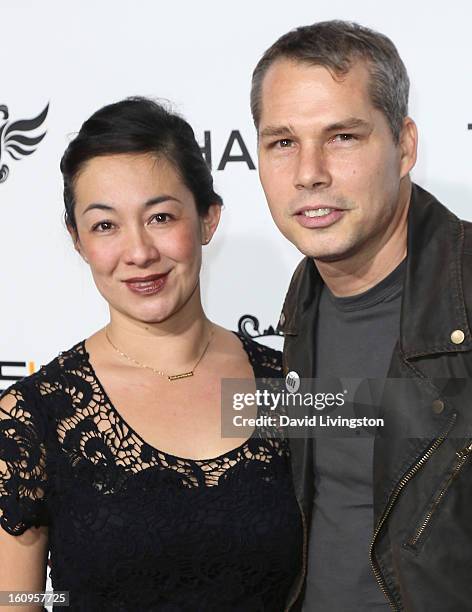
[{"x": 16, "y": 139}]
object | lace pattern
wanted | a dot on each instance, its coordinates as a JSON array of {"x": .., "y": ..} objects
[{"x": 124, "y": 517}]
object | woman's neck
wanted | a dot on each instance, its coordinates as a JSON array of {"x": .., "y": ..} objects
[{"x": 168, "y": 345}]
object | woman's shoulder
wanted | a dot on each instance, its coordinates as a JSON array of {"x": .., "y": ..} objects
[
  {"x": 53, "y": 373},
  {"x": 266, "y": 361},
  {"x": 28, "y": 408}
]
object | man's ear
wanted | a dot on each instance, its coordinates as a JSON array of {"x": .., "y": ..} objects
[
  {"x": 209, "y": 222},
  {"x": 408, "y": 143},
  {"x": 76, "y": 241}
]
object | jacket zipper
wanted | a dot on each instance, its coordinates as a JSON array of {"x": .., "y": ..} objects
[
  {"x": 408, "y": 476},
  {"x": 304, "y": 560},
  {"x": 462, "y": 457}
]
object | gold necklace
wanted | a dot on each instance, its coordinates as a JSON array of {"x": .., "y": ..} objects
[{"x": 169, "y": 377}]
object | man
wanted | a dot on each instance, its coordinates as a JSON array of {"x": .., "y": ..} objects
[{"x": 385, "y": 291}]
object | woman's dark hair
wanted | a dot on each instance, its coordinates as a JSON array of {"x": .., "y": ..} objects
[{"x": 138, "y": 125}]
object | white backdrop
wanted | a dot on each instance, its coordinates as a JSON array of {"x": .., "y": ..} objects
[{"x": 199, "y": 55}]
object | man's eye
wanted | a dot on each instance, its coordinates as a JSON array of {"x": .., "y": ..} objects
[
  {"x": 284, "y": 143},
  {"x": 162, "y": 217},
  {"x": 102, "y": 225},
  {"x": 344, "y": 137}
]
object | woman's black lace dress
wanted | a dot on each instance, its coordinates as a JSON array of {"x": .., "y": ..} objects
[{"x": 132, "y": 528}]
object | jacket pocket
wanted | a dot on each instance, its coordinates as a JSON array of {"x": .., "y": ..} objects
[{"x": 422, "y": 530}]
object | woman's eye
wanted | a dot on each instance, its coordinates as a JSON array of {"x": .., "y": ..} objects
[
  {"x": 105, "y": 226},
  {"x": 96, "y": 227},
  {"x": 162, "y": 217}
]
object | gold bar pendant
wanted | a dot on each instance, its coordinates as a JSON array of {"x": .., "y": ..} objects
[{"x": 183, "y": 375}]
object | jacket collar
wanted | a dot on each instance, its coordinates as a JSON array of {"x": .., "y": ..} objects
[
  {"x": 301, "y": 297},
  {"x": 433, "y": 303}
]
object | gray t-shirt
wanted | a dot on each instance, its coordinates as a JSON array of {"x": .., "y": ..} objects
[{"x": 355, "y": 339}]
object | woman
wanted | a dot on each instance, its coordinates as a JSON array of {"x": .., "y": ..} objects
[{"x": 113, "y": 450}]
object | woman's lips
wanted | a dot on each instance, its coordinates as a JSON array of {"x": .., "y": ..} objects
[{"x": 149, "y": 287}]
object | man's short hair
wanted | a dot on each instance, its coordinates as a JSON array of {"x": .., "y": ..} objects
[{"x": 336, "y": 45}]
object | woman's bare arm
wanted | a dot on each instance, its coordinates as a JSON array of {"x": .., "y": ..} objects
[{"x": 23, "y": 558}]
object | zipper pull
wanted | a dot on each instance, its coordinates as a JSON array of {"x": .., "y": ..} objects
[{"x": 464, "y": 452}]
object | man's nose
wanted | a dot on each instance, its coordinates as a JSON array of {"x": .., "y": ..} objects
[
  {"x": 312, "y": 168},
  {"x": 140, "y": 247}
]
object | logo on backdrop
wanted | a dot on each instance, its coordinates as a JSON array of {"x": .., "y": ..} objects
[
  {"x": 235, "y": 151},
  {"x": 249, "y": 320},
  {"x": 8, "y": 378},
  {"x": 15, "y": 137}
]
